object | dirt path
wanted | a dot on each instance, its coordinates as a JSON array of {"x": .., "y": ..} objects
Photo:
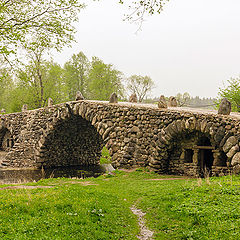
[
  {"x": 24, "y": 187},
  {"x": 162, "y": 179},
  {"x": 145, "y": 233}
]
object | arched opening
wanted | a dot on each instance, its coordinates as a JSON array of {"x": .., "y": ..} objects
[
  {"x": 6, "y": 140},
  {"x": 193, "y": 153},
  {"x": 72, "y": 142},
  {"x": 6, "y": 143}
]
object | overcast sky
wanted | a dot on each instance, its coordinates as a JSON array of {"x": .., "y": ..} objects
[{"x": 192, "y": 46}]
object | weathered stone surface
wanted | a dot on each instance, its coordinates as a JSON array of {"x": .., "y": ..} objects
[
  {"x": 133, "y": 98},
  {"x": 236, "y": 159},
  {"x": 219, "y": 135},
  {"x": 225, "y": 107},
  {"x": 162, "y": 102},
  {"x": 232, "y": 151},
  {"x": 24, "y": 107},
  {"x": 236, "y": 169},
  {"x": 50, "y": 102},
  {"x": 79, "y": 96},
  {"x": 74, "y": 133},
  {"x": 172, "y": 102},
  {"x": 230, "y": 143},
  {"x": 113, "y": 98},
  {"x": 134, "y": 129}
]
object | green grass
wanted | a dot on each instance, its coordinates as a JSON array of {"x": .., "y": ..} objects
[{"x": 72, "y": 209}]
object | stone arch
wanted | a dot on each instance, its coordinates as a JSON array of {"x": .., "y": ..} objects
[
  {"x": 6, "y": 143},
  {"x": 75, "y": 136},
  {"x": 190, "y": 147},
  {"x": 6, "y": 140}
]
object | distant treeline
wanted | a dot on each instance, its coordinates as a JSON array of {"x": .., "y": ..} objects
[
  {"x": 197, "y": 102},
  {"x": 185, "y": 100},
  {"x": 33, "y": 83}
]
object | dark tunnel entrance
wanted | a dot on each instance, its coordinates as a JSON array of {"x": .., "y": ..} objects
[
  {"x": 205, "y": 155},
  {"x": 206, "y": 161},
  {"x": 72, "y": 142}
]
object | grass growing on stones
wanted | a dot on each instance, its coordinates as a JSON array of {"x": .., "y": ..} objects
[{"x": 100, "y": 208}]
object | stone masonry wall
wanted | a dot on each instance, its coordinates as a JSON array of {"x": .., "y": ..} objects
[{"x": 73, "y": 134}]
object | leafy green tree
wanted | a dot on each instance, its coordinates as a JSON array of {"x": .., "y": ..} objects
[
  {"x": 51, "y": 20},
  {"x": 140, "y": 85},
  {"x": 76, "y": 72},
  {"x": 104, "y": 79},
  {"x": 6, "y": 86},
  {"x": 232, "y": 93},
  {"x": 36, "y": 83}
]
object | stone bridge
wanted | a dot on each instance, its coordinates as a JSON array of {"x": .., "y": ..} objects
[{"x": 175, "y": 140}]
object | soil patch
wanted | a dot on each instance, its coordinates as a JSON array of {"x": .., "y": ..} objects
[
  {"x": 162, "y": 179},
  {"x": 24, "y": 187},
  {"x": 145, "y": 233},
  {"x": 87, "y": 183}
]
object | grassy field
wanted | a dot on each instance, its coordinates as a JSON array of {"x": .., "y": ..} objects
[{"x": 100, "y": 208}]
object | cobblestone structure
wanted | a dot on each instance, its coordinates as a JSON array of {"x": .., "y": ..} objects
[{"x": 165, "y": 140}]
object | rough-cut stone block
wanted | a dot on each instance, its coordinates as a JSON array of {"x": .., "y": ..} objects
[
  {"x": 113, "y": 98},
  {"x": 230, "y": 143},
  {"x": 225, "y": 107},
  {"x": 236, "y": 159},
  {"x": 232, "y": 151}
]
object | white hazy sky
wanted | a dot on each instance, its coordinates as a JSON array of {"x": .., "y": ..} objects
[{"x": 192, "y": 46}]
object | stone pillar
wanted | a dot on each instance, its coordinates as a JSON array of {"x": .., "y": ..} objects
[
  {"x": 113, "y": 98},
  {"x": 50, "y": 102},
  {"x": 216, "y": 158},
  {"x": 182, "y": 156},
  {"x": 24, "y": 107},
  {"x": 79, "y": 96},
  {"x": 133, "y": 98},
  {"x": 196, "y": 156}
]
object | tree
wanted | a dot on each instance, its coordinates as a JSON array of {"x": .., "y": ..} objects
[
  {"x": 51, "y": 20},
  {"x": 138, "y": 9},
  {"x": 183, "y": 99},
  {"x": 6, "y": 86},
  {"x": 38, "y": 81},
  {"x": 140, "y": 85},
  {"x": 232, "y": 93},
  {"x": 104, "y": 79},
  {"x": 76, "y": 72}
]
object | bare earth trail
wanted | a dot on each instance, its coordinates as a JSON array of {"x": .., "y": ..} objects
[{"x": 145, "y": 233}]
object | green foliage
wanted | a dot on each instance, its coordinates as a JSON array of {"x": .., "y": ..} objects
[
  {"x": 105, "y": 158},
  {"x": 76, "y": 72},
  {"x": 232, "y": 93},
  {"x": 140, "y": 85},
  {"x": 36, "y": 83},
  {"x": 104, "y": 80},
  {"x": 6, "y": 86},
  {"x": 50, "y": 22},
  {"x": 38, "y": 80},
  {"x": 144, "y": 7}
]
